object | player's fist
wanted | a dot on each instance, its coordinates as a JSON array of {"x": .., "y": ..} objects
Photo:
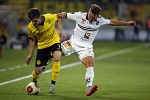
[
  {"x": 63, "y": 36},
  {"x": 28, "y": 58},
  {"x": 132, "y": 23}
]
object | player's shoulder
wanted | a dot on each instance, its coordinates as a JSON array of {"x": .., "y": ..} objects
[
  {"x": 84, "y": 13},
  {"x": 78, "y": 13},
  {"x": 100, "y": 17},
  {"x": 49, "y": 15},
  {"x": 30, "y": 25}
]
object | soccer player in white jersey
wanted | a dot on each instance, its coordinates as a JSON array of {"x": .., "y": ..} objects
[{"x": 87, "y": 25}]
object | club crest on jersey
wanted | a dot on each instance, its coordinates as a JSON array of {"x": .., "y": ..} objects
[
  {"x": 38, "y": 62},
  {"x": 83, "y": 20}
]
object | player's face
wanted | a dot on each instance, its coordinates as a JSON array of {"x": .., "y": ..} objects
[
  {"x": 91, "y": 16},
  {"x": 36, "y": 21}
]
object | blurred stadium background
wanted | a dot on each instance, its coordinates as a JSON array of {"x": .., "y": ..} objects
[
  {"x": 121, "y": 63},
  {"x": 13, "y": 18}
]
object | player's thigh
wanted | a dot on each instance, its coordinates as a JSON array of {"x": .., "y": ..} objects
[
  {"x": 87, "y": 57},
  {"x": 43, "y": 57}
]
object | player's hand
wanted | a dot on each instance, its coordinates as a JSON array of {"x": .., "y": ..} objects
[
  {"x": 132, "y": 23},
  {"x": 62, "y": 15},
  {"x": 63, "y": 36},
  {"x": 28, "y": 58}
]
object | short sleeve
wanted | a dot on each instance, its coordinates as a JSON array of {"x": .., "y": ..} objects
[
  {"x": 73, "y": 16},
  {"x": 30, "y": 33},
  {"x": 52, "y": 16},
  {"x": 104, "y": 21},
  {"x": 31, "y": 30}
]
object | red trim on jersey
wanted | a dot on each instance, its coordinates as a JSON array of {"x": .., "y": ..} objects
[{"x": 99, "y": 16}]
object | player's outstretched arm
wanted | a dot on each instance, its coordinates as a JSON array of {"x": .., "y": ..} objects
[{"x": 122, "y": 23}]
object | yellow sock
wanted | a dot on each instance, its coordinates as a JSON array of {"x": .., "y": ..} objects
[
  {"x": 55, "y": 70},
  {"x": 34, "y": 76}
]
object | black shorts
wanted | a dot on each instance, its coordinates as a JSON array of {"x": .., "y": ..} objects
[{"x": 44, "y": 56}]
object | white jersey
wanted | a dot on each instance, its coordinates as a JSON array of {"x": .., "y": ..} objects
[{"x": 85, "y": 32}]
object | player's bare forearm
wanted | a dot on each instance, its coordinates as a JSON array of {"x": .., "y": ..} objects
[
  {"x": 59, "y": 26},
  {"x": 62, "y": 35},
  {"x": 122, "y": 23},
  {"x": 31, "y": 46},
  {"x": 31, "y": 49}
]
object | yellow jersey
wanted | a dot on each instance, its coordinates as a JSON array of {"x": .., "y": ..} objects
[{"x": 46, "y": 34}]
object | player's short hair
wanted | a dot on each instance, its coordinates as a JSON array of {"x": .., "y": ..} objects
[
  {"x": 95, "y": 9},
  {"x": 33, "y": 13}
]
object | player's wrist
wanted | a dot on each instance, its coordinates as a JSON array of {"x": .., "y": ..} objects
[
  {"x": 30, "y": 55},
  {"x": 61, "y": 33}
]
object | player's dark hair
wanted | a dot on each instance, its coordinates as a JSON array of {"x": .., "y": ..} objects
[
  {"x": 33, "y": 13},
  {"x": 95, "y": 9}
]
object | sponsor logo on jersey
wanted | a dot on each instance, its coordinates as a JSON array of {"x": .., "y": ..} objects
[{"x": 83, "y": 20}]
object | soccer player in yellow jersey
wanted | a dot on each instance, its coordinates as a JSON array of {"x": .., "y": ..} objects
[{"x": 43, "y": 28}]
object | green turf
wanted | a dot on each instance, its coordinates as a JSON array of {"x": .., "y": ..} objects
[{"x": 121, "y": 77}]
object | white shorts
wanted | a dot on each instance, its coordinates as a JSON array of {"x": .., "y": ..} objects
[{"x": 68, "y": 48}]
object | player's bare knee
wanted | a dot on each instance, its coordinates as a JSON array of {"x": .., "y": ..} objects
[
  {"x": 89, "y": 65},
  {"x": 38, "y": 71},
  {"x": 56, "y": 59}
]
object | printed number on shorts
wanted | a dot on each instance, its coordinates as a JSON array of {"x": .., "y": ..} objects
[{"x": 87, "y": 35}]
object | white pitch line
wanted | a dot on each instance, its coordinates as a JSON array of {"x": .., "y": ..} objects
[
  {"x": 2, "y": 70},
  {"x": 115, "y": 53},
  {"x": 13, "y": 68}
]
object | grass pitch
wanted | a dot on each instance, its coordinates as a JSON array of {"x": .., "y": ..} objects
[{"x": 122, "y": 71}]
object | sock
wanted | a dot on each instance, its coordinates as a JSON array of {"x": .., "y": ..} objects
[
  {"x": 53, "y": 82},
  {"x": 89, "y": 76},
  {"x": 34, "y": 77},
  {"x": 55, "y": 71}
]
